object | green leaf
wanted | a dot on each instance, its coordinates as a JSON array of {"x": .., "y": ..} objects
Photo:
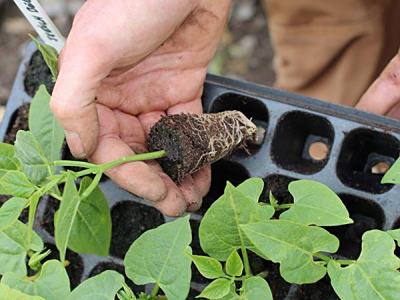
[
  {"x": 219, "y": 230},
  {"x": 374, "y": 275},
  {"x": 234, "y": 264},
  {"x": 13, "y": 250},
  {"x": 101, "y": 287},
  {"x": 7, "y": 159},
  {"x": 208, "y": 267},
  {"x": 160, "y": 256},
  {"x": 15, "y": 183},
  {"x": 10, "y": 211},
  {"x": 51, "y": 284},
  {"x": 315, "y": 203},
  {"x": 272, "y": 200},
  {"x": 7, "y": 293},
  {"x": 91, "y": 229},
  {"x": 393, "y": 174},
  {"x": 395, "y": 234},
  {"x": 217, "y": 289},
  {"x": 293, "y": 246},
  {"x": 252, "y": 188},
  {"x": 44, "y": 126},
  {"x": 50, "y": 56},
  {"x": 256, "y": 288},
  {"x": 32, "y": 157},
  {"x": 66, "y": 215}
]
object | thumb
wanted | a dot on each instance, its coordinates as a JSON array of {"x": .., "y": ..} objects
[{"x": 73, "y": 99}]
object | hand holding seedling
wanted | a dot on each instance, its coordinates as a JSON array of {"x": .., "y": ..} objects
[{"x": 124, "y": 65}]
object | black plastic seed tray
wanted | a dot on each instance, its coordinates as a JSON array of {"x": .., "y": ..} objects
[{"x": 358, "y": 148}]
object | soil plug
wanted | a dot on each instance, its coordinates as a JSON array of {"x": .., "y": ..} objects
[{"x": 193, "y": 141}]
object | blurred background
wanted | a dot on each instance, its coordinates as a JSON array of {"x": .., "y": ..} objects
[{"x": 245, "y": 51}]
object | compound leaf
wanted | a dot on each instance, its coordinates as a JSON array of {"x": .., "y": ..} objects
[
  {"x": 13, "y": 182},
  {"x": 217, "y": 289},
  {"x": 256, "y": 288},
  {"x": 44, "y": 126},
  {"x": 208, "y": 267},
  {"x": 91, "y": 229},
  {"x": 51, "y": 284},
  {"x": 32, "y": 157},
  {"x": 100, "y": 287},
  {"x": 160, "y": 256},
  {"x": 7, "y": 159},
  {"x": 293, "y": 246},
  {"x": 315, "y": 203},
  {"x": 13, "y": 249},
  {"x": 374, "y": 275},
  {"x": 10, "y": 211}
]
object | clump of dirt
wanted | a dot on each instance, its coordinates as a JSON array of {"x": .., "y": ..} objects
[
  {"x": 137, "y": 289},
  {"x": 129, "y": 221},
  {"x": 193, "y": 141},
  {"x": 37, "y": 73},
  {"x": 19, "y": 121}
]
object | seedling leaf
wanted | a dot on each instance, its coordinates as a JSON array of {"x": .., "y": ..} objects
[
  {"x": 219, "y": 230},
  {"x": 50, "y": 56},
  {"x": 293, "y": 246},
  {"x": 66, "y": 216},
  {"x": 101, "y": 287},
  {"x": 217, "y": 289},
  {"x": 256, "y": 288},
  {"x": 44, "y": 125},
  {"x": 252, "y": 188},
  {"x": 160, "y": 256},
  {"x": 52, "y": 283},
  {"x": 395, "y": 234},
  {"x": 374, "y": 275},
  {"x": 315, "y": 203},
  {"x": 10, "y": 211},
  {"x": 13, "y": 250},
  {"x": 393, "y": 174},
  {"x": 208, "y": 267},
  {"x": 7, "y": 293},
  {"x": 15, "y": 183},
  {"x": 7, "y": 159},
  {"x": 234, "y": 264},
  {"x": 91, "y": 229},
  {"x": 32, "y": 157}
]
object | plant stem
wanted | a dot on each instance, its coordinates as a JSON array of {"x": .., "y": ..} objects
[
  {"x": 246, "y": 261},
  {"x": 92, "y": 186},
  {"x": 73, "y": 163},
  {"x": 154, "y": 291},
  {"x": 345, "y": 262},
  {"x": 327, "y": 259},
  {"x": 323, "y": 257}
]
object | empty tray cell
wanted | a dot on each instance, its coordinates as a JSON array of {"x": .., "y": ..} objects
[
  {"x": 37, "y": 73},
  {"x": 366, "y": 215},
  {"x": 18, "y": 121},
  {"x": 221, "y": 172},
  {"x": 129, "y": 220},
  {"x": 302, "y": 142},
  {"x": 75, "y": 264},
  {"x": 252, "y": 108},
  {"x": 364, "y": 158},
  {"x": 101, "y": 267}
]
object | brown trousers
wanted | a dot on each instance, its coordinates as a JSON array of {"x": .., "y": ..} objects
[{"x": 332, "y": 50}]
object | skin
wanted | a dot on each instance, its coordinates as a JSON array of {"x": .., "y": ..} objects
[{"x": 124, "y": 65}]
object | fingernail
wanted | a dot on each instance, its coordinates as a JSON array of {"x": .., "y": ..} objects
[{"x": 75, "y": 144}]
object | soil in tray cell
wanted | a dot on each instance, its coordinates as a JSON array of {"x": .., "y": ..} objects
[
  {"x": 316, "y": 291},
  {"x": 129, "y": 221},
  {"x": 101, "y": 267},
  {"x": 19, "y": 121},
  {"x": 37, "y": 73}
]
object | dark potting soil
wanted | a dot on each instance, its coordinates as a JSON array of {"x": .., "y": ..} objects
[
  {"x": 129, "y": 221},
  {"x": 19, "y": 121},
  {"x": 194, "y": 141},
  {"x": 278, "y": 185},
  {"x": 25, "y": 213},
  {"x": 316, "y": 291},
  {"x": 37, "y": 73},
  {"x": 278, "y": 285},
  {"x": 75, "y": 267},
  {"x": 137, "y": 289}
]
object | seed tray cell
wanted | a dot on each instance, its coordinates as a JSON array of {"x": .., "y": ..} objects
[{"x": 357, "y": 148}]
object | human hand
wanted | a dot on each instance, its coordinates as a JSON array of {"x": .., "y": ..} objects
[
  {"x": 124, "y": 65},
  {"x": 383, "y": 96}
]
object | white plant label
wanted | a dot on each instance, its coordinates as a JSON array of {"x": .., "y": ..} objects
[{"x": 41, "y": 22}]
